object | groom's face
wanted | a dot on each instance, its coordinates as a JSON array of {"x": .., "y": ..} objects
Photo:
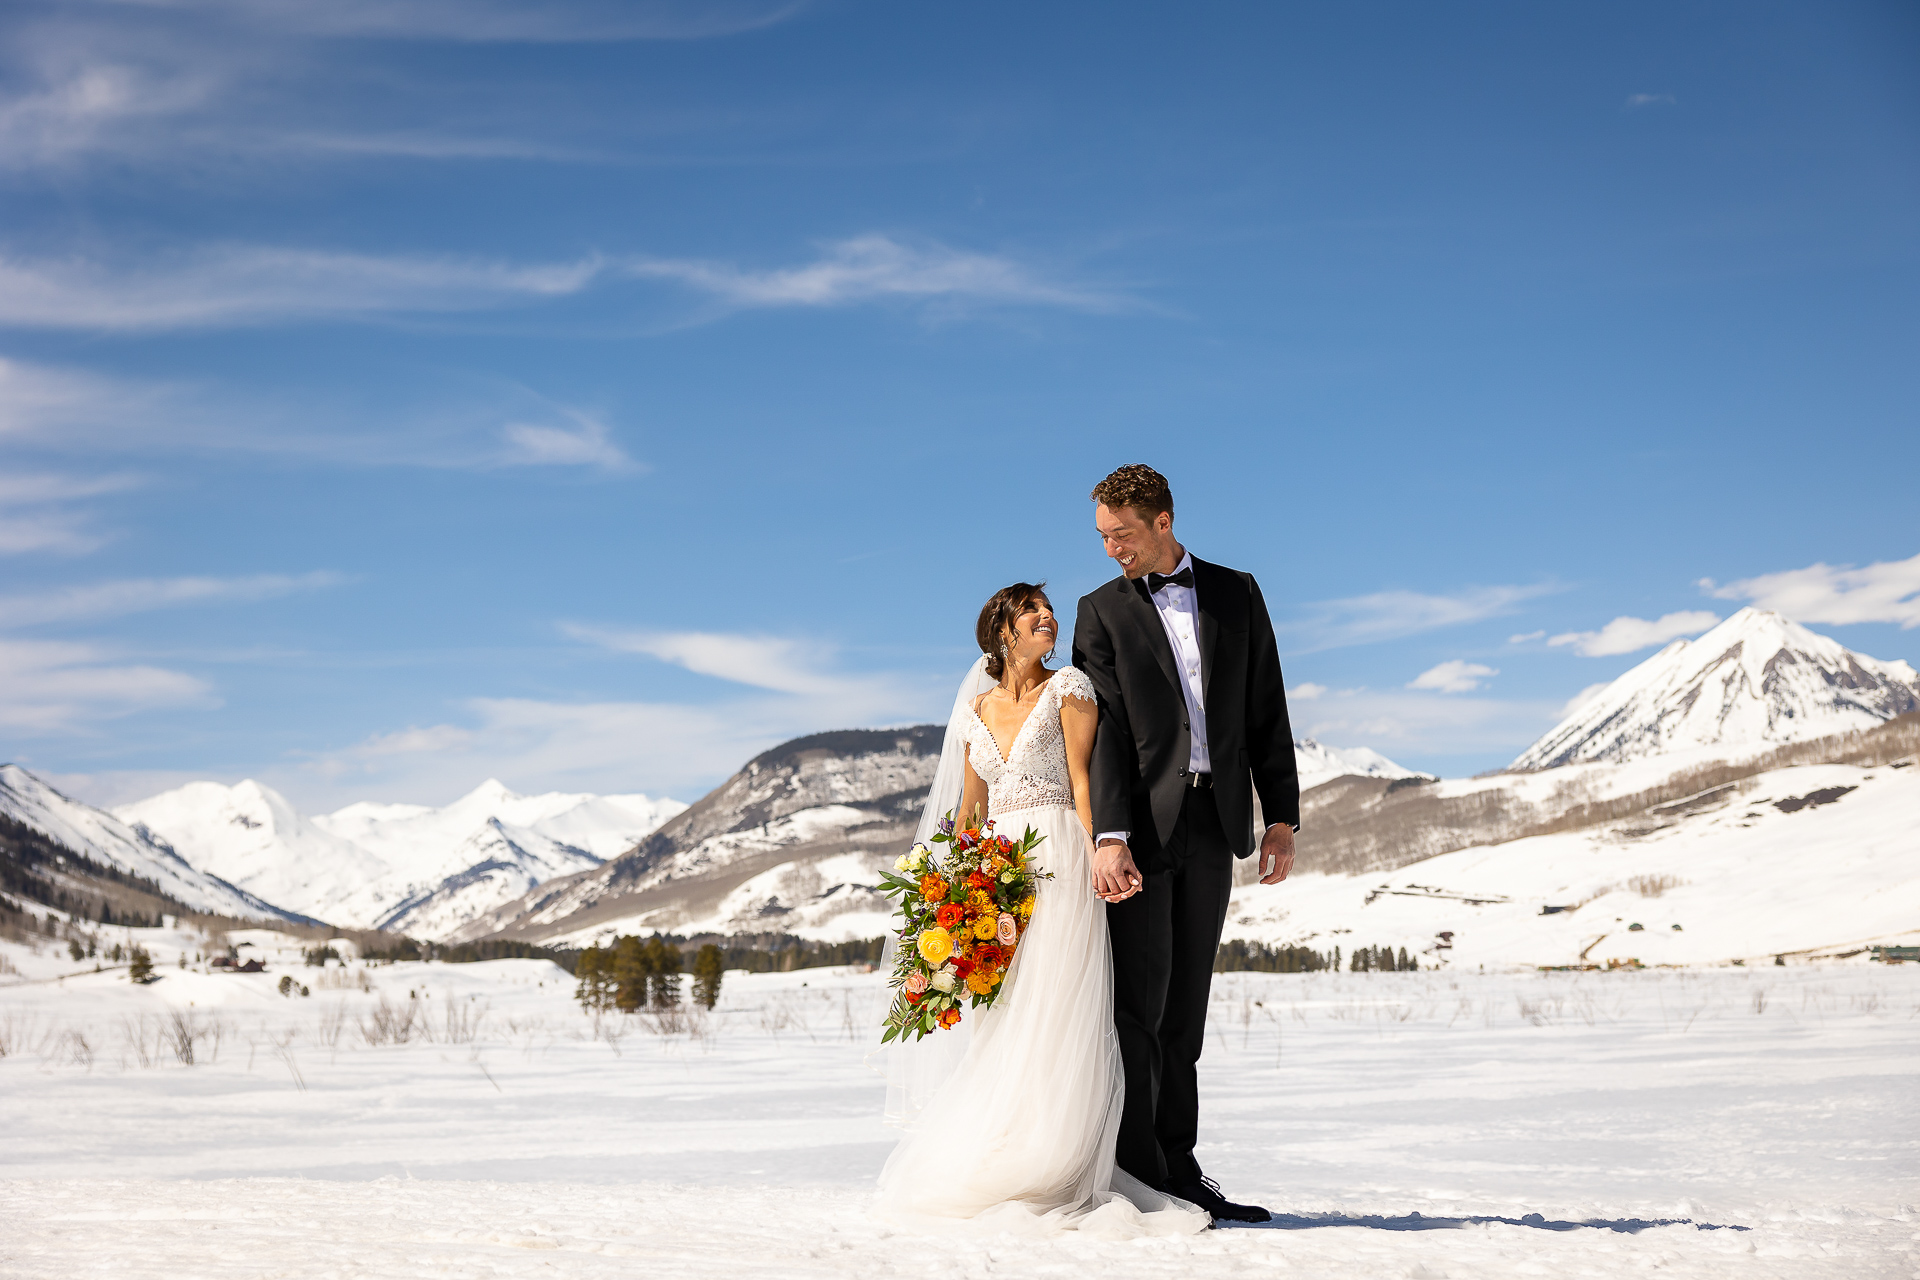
[{"x": 1138, "y": 545}]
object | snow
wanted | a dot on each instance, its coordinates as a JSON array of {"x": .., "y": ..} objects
[
  {"x": 410, "y": 868},
  {"x": 520, "y": 1139},
  {"x": 1743, "y": 877},
  {"x": 1320, "y": 763},
  {"x": 106, "y": 839},
  {"x": 1756, "y": 680}
]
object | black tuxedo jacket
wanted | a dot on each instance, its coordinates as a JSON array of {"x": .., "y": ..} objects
[{"x": 1141, "y": 747}]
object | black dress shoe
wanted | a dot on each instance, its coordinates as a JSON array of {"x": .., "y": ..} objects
[{"x": 1206, "y": 1194}]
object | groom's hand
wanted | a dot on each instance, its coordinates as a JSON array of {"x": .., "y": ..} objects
[
  {"x": 1276, "y": 853},
  {"x": 1115, "y": 878}
]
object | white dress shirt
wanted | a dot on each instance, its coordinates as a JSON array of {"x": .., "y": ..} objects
[{"x": 1179, "y": 612}]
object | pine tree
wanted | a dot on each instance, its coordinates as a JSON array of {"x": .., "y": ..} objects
[
  {"x": 709, "y": 966},
  {"x": 632, "y": 970},
  {"x": 1407, "y": 963},
  {"x": 664, "y": 980},
  {"x": 140, "y": 966}
]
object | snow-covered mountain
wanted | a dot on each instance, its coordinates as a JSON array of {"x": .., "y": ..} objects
[
  {"x": 413, "y": 868},
  {"x": 1320, "y": 763},
  {"x": 1755, "y": 681},
  {"x": 792, "y": 843},
  {"x": 130, "y": 848}
]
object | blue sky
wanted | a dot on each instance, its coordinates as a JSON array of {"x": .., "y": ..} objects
[{"x": 592, "y": 394}]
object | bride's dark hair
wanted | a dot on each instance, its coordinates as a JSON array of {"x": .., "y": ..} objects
[{"x": 998, "y": 615}]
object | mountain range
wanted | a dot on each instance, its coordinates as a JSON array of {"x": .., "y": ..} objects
[{"x": 793, "y": 842}]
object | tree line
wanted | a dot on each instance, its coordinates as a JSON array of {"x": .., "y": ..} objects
[
  {"x": 1240, "y": 955},
  {"x": 632, "y": 973}
]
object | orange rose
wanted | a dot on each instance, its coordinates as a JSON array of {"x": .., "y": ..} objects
[{"x": 949, "y": 916}]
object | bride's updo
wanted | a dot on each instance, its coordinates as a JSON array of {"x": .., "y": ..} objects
[{"x": 998, "y": 616}]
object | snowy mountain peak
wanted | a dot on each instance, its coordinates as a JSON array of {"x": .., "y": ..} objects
[
  {"x": 1754, "y": 681},
  {"x": 1320, "y": 763},
  {"x": 135, "y": 849}
]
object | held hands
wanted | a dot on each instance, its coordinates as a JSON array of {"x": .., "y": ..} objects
[
  {"x": 1276, "y": 853},
  {"x": 1115, "y": 878}
]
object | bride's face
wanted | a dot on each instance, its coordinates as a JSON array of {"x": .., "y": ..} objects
[
  {"x": 1034, "y": 629},
  {"x": 1137, "y": 545}
]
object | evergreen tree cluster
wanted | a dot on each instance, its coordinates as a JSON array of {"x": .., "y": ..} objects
[
  {"x": 1382, "y": 960},
  {"x": 501, "y": 949},
  {"x": 140, "y": 966},
  {"x": 1257, "y": 957},
  {"x": 629, "y": 974},
  {"x": 789, "y": 953}
]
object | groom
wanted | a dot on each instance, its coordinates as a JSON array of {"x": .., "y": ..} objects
[{"x": 1193, "y": 722}]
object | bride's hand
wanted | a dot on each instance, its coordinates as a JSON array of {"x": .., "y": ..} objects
[{"x": 1115, "y": 877}]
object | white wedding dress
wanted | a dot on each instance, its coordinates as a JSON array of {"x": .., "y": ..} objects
[{"x": 1021, "y": 1136}]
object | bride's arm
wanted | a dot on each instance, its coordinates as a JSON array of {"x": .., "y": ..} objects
[
  {"x": 1078, "y": 720},
  {"x": 973, "y": 798}
]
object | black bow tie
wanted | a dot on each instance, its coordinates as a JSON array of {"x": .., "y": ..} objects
[{"x": 1184, "y": 578}]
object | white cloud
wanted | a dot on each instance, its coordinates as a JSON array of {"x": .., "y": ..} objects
[
  {"x": 1306, "y": 692},
  {"x": 586, "y": 445},
  {"x": 1420, "y": 722},
  {"x": 253, "y": 284},
  {"x": 1651, "y": 100},
  {"x": 1627, "y": 635},
  {"x": 1453, "y": 676},
  {"x": 50, "y": 687},
  {"x": 34, "y": 512},
  {"x": 875, "y": 267},
  {"x": 1389, "y": 615},
  {"x": 498, "y": 21},
  {"x": 84, "y": 107},
  {"x": 762, "y": 662},
  {"x": 1887, "y": 591},
  {"x": 1583, "y": 697},
  {"x": 1526, "y": 638},
  {"x": 140, "y": 595}
]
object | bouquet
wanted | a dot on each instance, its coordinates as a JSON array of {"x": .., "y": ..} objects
[{"x": 960, "y": 923}]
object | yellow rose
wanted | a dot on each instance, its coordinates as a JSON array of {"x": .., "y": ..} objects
[
  {"x": 984, "y": 928},
  {"x": 936, "y": 944}
]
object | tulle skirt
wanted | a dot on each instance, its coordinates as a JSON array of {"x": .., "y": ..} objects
[{"x": 1020, "y": 1137}]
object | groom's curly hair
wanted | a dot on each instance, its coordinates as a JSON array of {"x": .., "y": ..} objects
[
  {"x": 1136, "y": 485},
  {"x": 998, "y": 616}
]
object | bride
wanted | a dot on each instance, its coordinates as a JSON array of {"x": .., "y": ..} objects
[{"x": 1018, "y": 1134}]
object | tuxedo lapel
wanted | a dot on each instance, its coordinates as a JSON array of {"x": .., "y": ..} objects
[
  {"x": 1139, "y": 607},
  {"x": 1206, "y": 604}
]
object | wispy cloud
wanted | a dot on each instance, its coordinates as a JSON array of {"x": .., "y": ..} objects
[
  {"x": 586, "y": 444},
  {"x": 86, "y": 107},
  {"x": 1527, "y": 637},
  {"x": 1423, "y": 722},
  {"x": 142, "y": 595},
  {"x": 875, "y": 267},
  {"x": 1628, "y": 635},
  {"x": 59, "y": 687},
  {"x": 1887, "y": 591},
  {"x": 1453, "y": 676},
  {"x": 1638, "y": 100},
  {"x": 497, "y": 21},
  {"x": 36, "y": 515},
  {"x": 762, "y": 662},
  {"x": 250, "y": 284},
  {"x": 1389, "y": 615}
]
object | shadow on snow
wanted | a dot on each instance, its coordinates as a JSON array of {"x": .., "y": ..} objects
[{"x": 1419, "y": 1222}]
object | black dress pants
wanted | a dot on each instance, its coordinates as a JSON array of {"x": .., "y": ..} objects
[{"x": 1164, "y": 940}]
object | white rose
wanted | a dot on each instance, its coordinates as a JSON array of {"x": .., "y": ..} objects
[
  {"x": 945, "y": 981},
  {"x": 1006, "y": 877},
  {"x": 901, "y": 863}
]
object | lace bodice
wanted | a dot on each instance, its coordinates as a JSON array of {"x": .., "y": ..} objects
[{"x": 1034, "y": 772}]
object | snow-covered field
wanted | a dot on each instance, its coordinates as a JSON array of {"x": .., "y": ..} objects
[{"x": 1425, "y": 1124}]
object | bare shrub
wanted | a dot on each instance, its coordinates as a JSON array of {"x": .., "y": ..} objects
[
  {"x": 192, "y": 1040},
  {"x": 333, "y": 1020},
  {"x": 390, "y": 1024},
  {"x": 462, "y": 1022},
  {"x": 71, "y": 1047},
  {"x": 16, "y": 1030},
  {"x": 1760, "y": 1000},
  {"x": 1654, "y": 886}
]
